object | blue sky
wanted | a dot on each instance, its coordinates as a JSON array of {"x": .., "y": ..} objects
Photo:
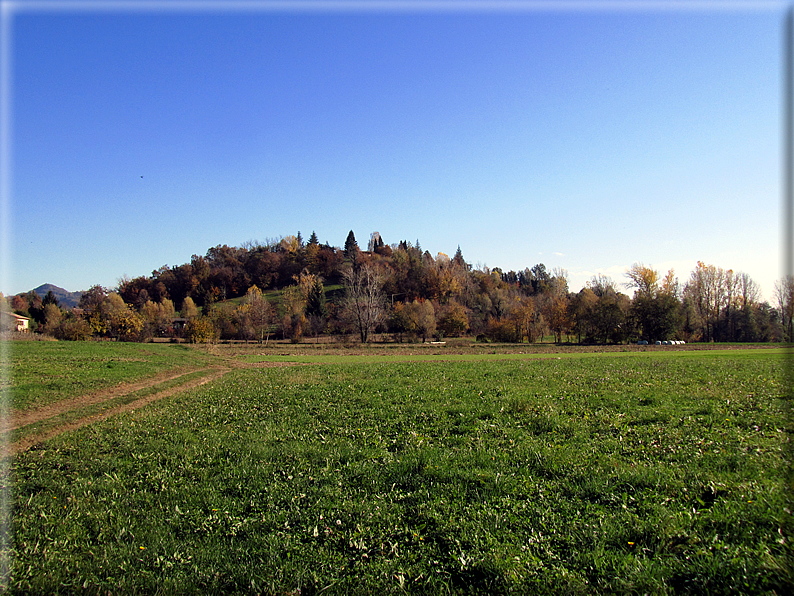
[{"x": 587, "y": 139}]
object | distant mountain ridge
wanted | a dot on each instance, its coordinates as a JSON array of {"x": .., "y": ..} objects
[{"x": 65, "y": 298}]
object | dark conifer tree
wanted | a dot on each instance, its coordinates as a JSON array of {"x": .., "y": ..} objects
[
  {"x": 351, "y": 246},
  {"x": 50, "y": 298},
  {"x": 458, "y": 258},
  {"x": 315, "y": 301}
]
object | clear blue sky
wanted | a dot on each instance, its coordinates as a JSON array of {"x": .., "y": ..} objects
[{"x": 582, "y": 139}]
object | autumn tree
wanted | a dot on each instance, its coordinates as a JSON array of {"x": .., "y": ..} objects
[
  {"x": 201, "y": 330},
  {"x": 523, "y": 316},
  {"x": 407, "y": 277},
  {"x": 255, "y": 315},
  {"x": 92, "y": 298},
  {"x": 260, "y": 313},
  {"x": 189, "y": 309},
  {"x": 292, "y": 312},
  {"x": 63, "y": 324},
  {"x": 421, "y": 317},
  {"x": 554, "y": 303},
  {"x": 644, "y": 280},
  {"x": 555, "y": 310},
  {"x": 157, "y": 317},
  {"x": 295, "y": 301},
  {"x": 19, "y": 305},
  {"x": 118, "y": 319},
  {"x": 453, "y": 320},
  {"x": 222, "y": 317}
]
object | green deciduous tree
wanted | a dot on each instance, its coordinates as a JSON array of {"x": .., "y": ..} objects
[
  {"x": 52, "y": 318},
  {"x": 656, "y": 310}
]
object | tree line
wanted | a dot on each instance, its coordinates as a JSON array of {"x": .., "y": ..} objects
[{"x": 293, "y": 289}]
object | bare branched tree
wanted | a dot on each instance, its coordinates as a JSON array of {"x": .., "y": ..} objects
[
  {"x": 784, "y": 294},
  {"x": 365, "y": 302}
]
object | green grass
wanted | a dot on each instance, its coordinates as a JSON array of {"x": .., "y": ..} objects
[
  {"x": 46, "y": 372},
  {"x": 615, "y": 474},
  {"x": 419, "y": 354}
]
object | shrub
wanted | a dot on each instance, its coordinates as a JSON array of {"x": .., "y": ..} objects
[
  {"x": 201, "y": 331},
  {"x": 453, "y": 321},
  {"x": 501, "y": 331},
  {"x": 73, "y": 329}
]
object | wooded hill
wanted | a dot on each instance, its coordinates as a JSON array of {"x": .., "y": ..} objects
[{"x": 293, "y": 288}]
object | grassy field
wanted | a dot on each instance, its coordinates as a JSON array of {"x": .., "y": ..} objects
[
  {"x": 633, "y": 472},
  {"x": 45, "y": 372}
]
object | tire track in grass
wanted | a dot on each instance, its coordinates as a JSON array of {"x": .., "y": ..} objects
[
  {"x": 28, "y": 441},
  {"x": 20, "y": 420}
]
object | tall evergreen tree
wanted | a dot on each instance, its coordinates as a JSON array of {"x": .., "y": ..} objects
[
  {"x": 352, "y": 250},
  {"x": 315, "y": 300},
  {"x": 458, "y": 258},
  {"x": 350, "y": 244}
]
